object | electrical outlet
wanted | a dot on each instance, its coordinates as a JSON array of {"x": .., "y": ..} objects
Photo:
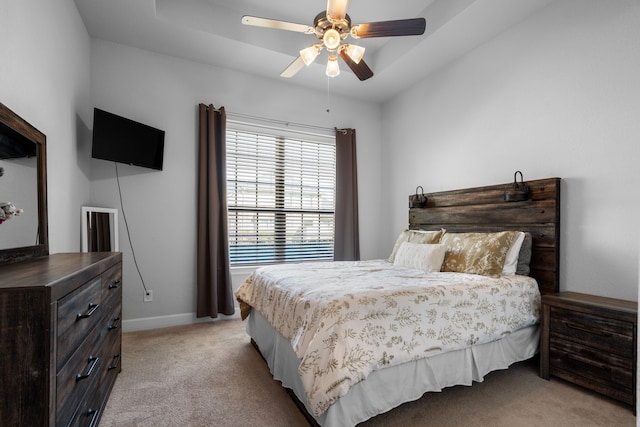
[{"x": 148, "y": 296}]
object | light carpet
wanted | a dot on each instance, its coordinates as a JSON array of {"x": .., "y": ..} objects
[{"x": 208, "y": 374}]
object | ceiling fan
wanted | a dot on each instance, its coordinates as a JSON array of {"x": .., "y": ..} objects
[{"x": 332, "y": 27}]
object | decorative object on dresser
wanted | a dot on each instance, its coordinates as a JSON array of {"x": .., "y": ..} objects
[
  {"x": 60, "y": 338},
  {"x": 590, "y": 341}
]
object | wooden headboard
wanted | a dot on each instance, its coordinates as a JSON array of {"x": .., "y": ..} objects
[{"x": 483, "y": 209}]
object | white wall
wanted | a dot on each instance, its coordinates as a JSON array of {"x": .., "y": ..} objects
[
  {"x": 164, "y": 92},
  {"x": 44, "y": 77},
  {"x": 555, "y": 96}
]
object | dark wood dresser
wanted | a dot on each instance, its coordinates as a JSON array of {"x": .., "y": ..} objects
[
  {"x": 590, "y": 341},
  {"x": 59, "y": 338}
]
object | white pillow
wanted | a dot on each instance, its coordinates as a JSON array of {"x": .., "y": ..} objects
[
  {"x": 511, "y": 260},
  {"x": 420, "y": 256},
  {"x": 415, "y": 236}
]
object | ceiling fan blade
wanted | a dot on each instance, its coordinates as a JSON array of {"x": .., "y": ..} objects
[
  {"x": 361, "y": 70},
  {"x": 278, "y": 25},
  {"x": 337, "y": 9},
  {"x": 293, "y": 68},
  {"x": 400, "y": 27}
]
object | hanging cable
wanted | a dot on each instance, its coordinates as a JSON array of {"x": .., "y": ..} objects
[{"x": 124, "y": 216}]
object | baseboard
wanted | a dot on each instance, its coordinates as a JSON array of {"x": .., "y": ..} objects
[{"x": 171, "y": 320}]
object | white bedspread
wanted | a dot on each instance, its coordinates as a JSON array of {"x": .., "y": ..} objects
[{"x": 346, "y": 319}]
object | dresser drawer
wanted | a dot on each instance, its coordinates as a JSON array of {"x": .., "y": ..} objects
[
  {"x": 88, "y": 366},
  {"x": 111, "y": 329},
  {"x": 79, "y": 376},
  {"x": 78, "y": 313},
  {"x": 88, "y": 413},
  {"x": 608, "y": 335},
  {"x": 113, "y": 323},
  {"x": 90, "y": 409},
  {"x": 112, "y": 357},
  {"x": 112, "y": 283},
  {"x": 111, "y": 299},
  {"x": 605, "y": 368}
]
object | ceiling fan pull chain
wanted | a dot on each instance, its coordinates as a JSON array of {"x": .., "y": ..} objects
[{"x": 328, "y": 95}]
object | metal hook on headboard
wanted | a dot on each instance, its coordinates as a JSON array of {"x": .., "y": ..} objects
[
  {"x": 518, "y": 191},
  {"x": 418, "y": 200}
]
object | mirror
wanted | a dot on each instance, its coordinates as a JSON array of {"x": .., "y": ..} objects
[{"x": 23, "y": 189}]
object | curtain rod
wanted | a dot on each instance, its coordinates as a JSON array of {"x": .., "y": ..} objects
[{"x": 279, "y": 122}]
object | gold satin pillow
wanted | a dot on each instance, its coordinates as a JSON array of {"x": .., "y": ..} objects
[{"x": 477, "y": 253}]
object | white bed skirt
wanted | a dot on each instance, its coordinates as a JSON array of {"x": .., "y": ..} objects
[{"x": 388, "y": 388}]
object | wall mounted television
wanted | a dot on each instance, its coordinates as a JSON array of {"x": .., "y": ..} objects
[
  {"x": 126, "y": 141},
  {"x": 13, "y": 145}
]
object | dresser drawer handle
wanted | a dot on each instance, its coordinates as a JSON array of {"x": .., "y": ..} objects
[
  {"x": 94, "y": 417},
  {"x": 115, "y": 324},
  {"x": 588, "y": 362},
  {"x": 116, "y": 362},
  {"x": 589, "y": 331},
  {"x": 115, "y": 284},
  {"x": 94, "y": 361},
  {"x": 92, "y": 309}
]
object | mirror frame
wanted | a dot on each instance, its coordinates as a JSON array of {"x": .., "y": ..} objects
[{"x": 18, "y": 124}]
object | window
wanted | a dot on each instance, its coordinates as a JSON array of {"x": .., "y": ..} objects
[{"x": 280, "y": 194}]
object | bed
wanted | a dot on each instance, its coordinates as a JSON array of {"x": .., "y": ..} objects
[{"x": 348, "y": 348}]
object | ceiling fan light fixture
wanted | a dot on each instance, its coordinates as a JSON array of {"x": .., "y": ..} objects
[
  {"x": 332, "y": 66},
  {"x": 355, "y": 52},
  {"x": 309, "y": 54},
  {"x": 336, "y": 10},
  {"x": 331, "y": 27},
  {"x": 331, "y": 39}
]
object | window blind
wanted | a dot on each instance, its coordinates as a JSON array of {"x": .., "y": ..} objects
[{"x": 281, "y": 196}]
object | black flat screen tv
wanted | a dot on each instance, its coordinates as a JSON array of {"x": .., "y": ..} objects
[
  {"x": 126, "y": 141},
  {"x": 14, "y": 145}
]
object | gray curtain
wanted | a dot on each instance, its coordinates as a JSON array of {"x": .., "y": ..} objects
[
  {"x": 215, "y": 293},
  {"x": 346, "y": 242}
]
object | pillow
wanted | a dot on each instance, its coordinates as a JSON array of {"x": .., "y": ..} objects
[
  {"x": 415, "y": 236},
  {"x": 421, "y": 256},
  {"x": 477, "y": 253},
  {"x": 511, "y": 260},
  {"x": 524, "y": 259}
]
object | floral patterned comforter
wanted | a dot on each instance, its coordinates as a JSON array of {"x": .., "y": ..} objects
[{"x": 347, "y": 319}]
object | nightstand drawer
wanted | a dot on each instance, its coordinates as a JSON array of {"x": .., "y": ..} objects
[
  {"x": 605, "y": 368},
  {"x": 590, "y": 341},
  {"x": 608, "y": 335}
]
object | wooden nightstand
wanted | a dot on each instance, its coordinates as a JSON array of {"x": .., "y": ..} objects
[{"x": 590, "y": 341}]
